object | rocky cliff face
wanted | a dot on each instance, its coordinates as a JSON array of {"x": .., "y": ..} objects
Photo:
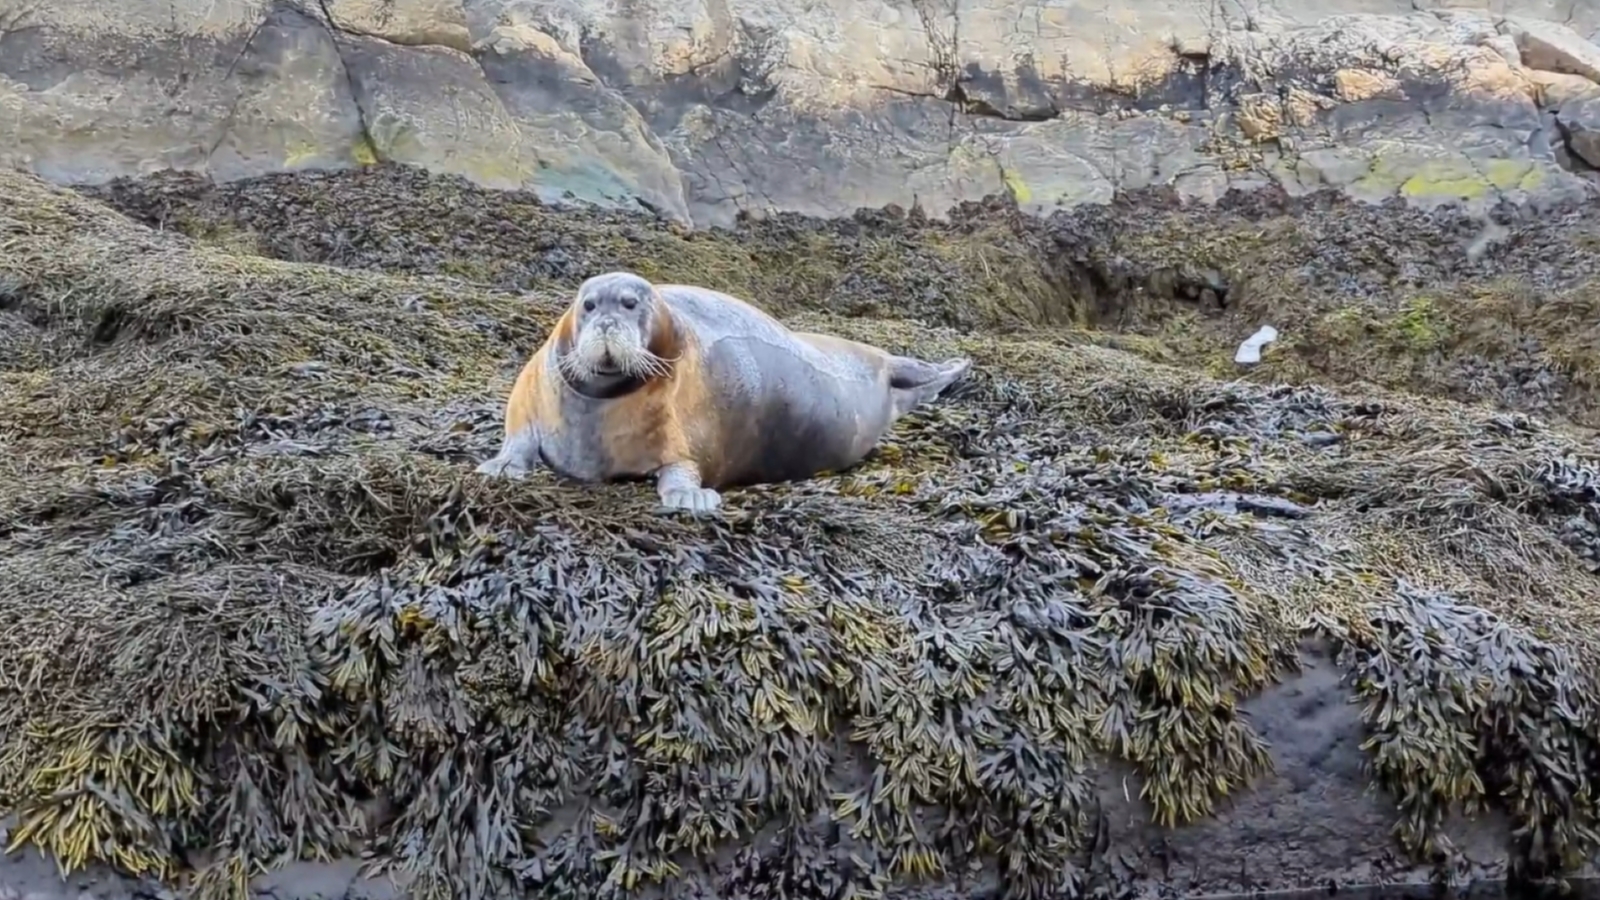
[{"x": 705, "y": 108}]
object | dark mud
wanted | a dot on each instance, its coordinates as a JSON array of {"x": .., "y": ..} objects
[{"x": 256, "y": 609}]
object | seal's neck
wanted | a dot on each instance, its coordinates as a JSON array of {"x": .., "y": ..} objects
[
  {"x": 600, "y": 387},
  {"x": 607, "y": 387}
]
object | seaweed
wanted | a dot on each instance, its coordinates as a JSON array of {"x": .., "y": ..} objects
[
  {"x": 1464, "y": 709},
  {"x": 255, "y": 607}
]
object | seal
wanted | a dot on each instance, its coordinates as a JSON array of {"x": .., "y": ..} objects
[{"x": 702, "y": 391}]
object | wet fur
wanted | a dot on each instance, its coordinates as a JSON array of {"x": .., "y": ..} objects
[{"x": 742, "y": 400}]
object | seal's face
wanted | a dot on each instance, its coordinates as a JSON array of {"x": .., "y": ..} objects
[{"x": 613, "y": 318}]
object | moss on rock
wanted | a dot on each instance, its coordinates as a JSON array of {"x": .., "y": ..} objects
[{"x": 251, "y": 594}]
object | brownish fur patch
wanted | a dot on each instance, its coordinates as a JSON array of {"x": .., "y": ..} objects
[
  {"x": 668, "y": 420},
  {"x": 665, "y": 341},
  {"x": 531, "y": 398},
  {"x": 655, "y": 425},
  {"x": 698, "y": 419},
  {"x": 524, "y": 405},
  {"x": 642, "y": 432}
]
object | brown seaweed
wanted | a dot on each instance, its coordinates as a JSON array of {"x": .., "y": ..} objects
[{"x": 255, "y": 607}]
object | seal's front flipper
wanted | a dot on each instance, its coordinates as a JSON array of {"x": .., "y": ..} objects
[
  {"x": 517, "y": 457},
  {"x": 679, "y": 487},
  {"x": 913, "y": 382}
]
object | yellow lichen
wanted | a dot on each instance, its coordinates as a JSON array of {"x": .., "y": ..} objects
[{"x": 1016, "y": 186}]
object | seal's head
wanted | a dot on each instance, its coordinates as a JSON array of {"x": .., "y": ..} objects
[{"x": 619, "y": 333}]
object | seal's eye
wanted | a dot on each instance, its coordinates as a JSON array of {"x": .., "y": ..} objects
[
  {"x": 629, "y": 302},
  {"x": 588, "y": 306}
]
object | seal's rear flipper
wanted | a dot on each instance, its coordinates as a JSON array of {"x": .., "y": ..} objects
[{"x": 913, "y": 381}]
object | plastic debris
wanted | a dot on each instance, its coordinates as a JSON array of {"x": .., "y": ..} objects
[{"x": 1249, "y": 352}]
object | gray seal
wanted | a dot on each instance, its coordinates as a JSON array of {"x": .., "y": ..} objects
[{"x": 701, "y": 391}]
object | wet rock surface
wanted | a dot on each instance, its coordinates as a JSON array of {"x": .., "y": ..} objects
[{"x": 1092, "y": 623}]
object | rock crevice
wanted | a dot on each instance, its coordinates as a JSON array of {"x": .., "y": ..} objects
[{"x": 334, "y": 33}]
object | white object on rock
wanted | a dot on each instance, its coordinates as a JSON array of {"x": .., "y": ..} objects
[{"x": 1250, "y": 351}]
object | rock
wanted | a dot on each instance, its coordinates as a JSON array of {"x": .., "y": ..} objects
[
  {"x": 590, "y": 141},
  {"x": 702, "y": 111},
  {"x": 431, "y": 106},
  {"x": 293, "y": 106},
  {"x": 1582, "y": 123},
  {"x": 1506, "y": 46},
  {"x": 1556, "y": 89},
  {"x": 1354, "y": 85},
  {"x": 1285, "y": 829},
  {"x": 1554, "y": 47},
  {"x": 188, "y": 101},
  {"x": 412, "y": 23}
]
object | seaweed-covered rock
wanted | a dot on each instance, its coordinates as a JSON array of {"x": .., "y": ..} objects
[
  {"x": 1433, "y": 302},
  {"x": 256, "y": 610}
]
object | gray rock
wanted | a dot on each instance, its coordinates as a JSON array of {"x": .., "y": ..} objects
[
  {"x": 412, "y": 23},
  {"x": 590, "y": 142},
  {"x": 1554, "y": 47},
  {"x": 271, "y": 126},
  {"x": 1315, "y": 821},
  {"x": 1582, "y": 124},
  {"x": 705, "y": 110},
  {"x": 431, "y": 106}
]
